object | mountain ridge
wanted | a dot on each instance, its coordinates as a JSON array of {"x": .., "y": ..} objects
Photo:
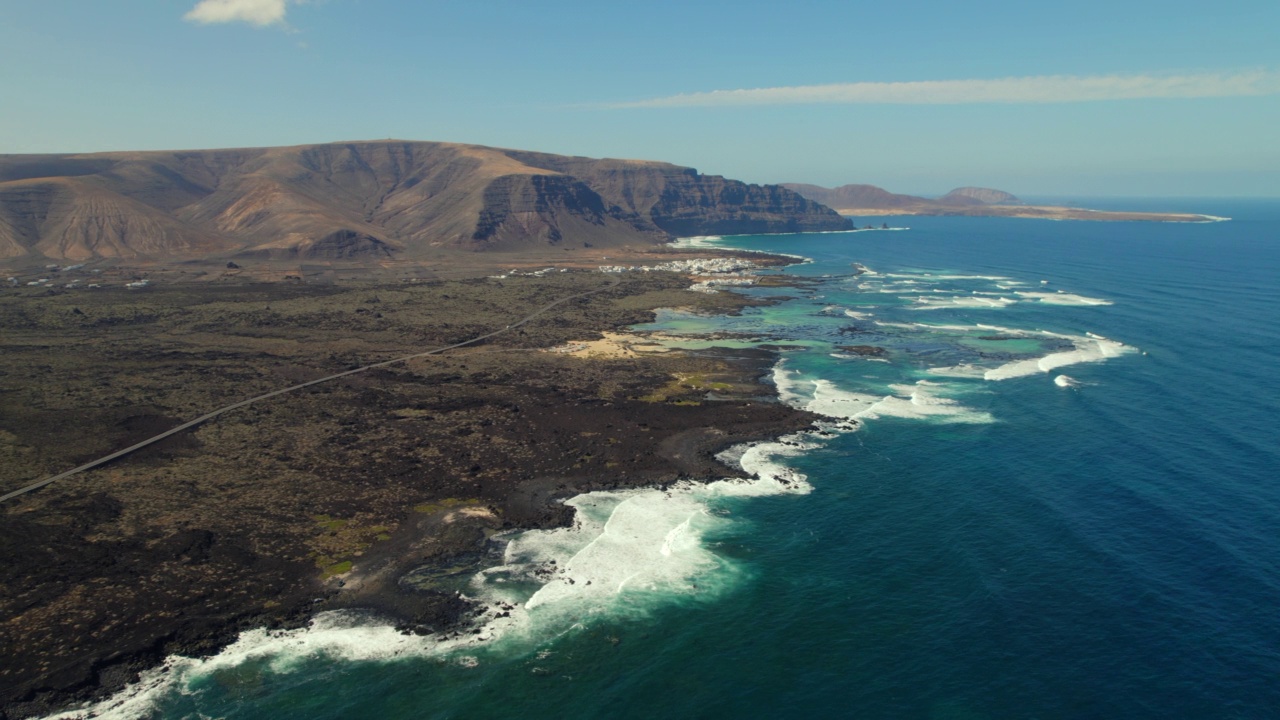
[
  {"x": 369, "y": 200},
  {"x": 967, "y": 201},
  {"x": 871, "y": 197}
]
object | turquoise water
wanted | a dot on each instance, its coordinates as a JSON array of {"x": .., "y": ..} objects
[{"x": 970, "y": 536}]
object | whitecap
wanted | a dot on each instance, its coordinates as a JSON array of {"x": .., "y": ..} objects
[
  {"x": 1062, "y": 298},
  {"x": 340, "y": 635},
  {"x": 969, "y": 301},
  {"x": 946, "y": 276},
  {"x": 1087, "y": 349},
  {"x": 698, "y": 242},
  {"x": 709, "y": 242},
  {"x": 628, "y": 551},
  {"x": 963, "y": 370},
  {"x": 649, "y": 540},
  {"x": 924, "y": 400}
]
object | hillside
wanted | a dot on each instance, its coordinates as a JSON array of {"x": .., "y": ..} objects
[
  {"x": 855, "y": 196},
  {"x": 965, "y": 201},
  {"x": 978, "y": 196},
  {"x": 870, "y": 197},
  {"x": 367, "y": 200}
]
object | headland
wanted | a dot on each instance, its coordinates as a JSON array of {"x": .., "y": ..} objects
[{"x": 872, "y": 201}]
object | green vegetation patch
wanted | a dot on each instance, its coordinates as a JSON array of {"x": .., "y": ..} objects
[
  {"x": 340, "y": 541},
  {"x": 445, "y": 504},
  {"x": 329, "y": 523},
  {"x": 337, "y": 568},
  {"x": 683, "y": 388}
]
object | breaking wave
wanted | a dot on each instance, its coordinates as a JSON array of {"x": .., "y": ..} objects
[{"x": 627, "y": 552}]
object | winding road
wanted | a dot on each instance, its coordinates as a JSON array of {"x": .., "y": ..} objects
[{"x": 613, "y": 282}]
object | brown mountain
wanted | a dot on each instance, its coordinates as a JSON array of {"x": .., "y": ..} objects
[
  {"x": 967, "y": 201},
  {"x": 978, "y": 196},
  {"x": 870, "y": 197},
  {"x": 367, "y": 200},
  {"x": 855, "y": 196}
]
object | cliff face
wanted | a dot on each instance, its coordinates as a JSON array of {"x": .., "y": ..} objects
[
  {"x": 554, "y": 210},
  {"x": 692, "y": 204},
  {"x": 870, "y": 197},
  {"x": 368, "y": 199},
  {"x": 680, "y": 201}
]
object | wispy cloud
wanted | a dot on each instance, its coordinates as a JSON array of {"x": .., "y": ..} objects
[
  {"x": 255, "y": 12},
  {"x": 1033, "y": 89}
]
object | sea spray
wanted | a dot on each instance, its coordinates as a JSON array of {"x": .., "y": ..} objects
[{"x": 627, "y": 553}]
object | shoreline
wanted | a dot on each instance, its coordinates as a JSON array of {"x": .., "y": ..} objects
[
  {"x": 677, "y": 440},
  {"x": 1035, "y": 212}
]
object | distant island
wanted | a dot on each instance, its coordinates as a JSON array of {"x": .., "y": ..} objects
[{"x": 863, "y": 200}]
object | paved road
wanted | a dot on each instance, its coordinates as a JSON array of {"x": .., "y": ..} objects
[{"x": 613, "y": 282}]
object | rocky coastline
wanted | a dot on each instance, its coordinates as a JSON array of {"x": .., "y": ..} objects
[{"x": 328, "y": 499}]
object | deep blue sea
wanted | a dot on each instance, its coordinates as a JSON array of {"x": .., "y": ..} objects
[{"x": 1053, "y": 492}]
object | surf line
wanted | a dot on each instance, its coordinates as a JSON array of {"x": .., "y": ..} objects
[{"x": 612, "y": 283}]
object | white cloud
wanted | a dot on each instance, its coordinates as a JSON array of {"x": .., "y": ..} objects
[
  {"x": 1035, "y": 89},
  {"x": 255, "y": 12}
]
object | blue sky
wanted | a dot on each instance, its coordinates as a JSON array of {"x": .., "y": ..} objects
[{"x": 1083, "y": 98}]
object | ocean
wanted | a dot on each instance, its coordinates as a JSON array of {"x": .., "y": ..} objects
[{"x": 1047, "y": 486}]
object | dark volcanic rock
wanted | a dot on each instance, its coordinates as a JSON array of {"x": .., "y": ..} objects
[
  {"x": 864, "y": 350},
  {"x": 683, "y": 202},
  {"x": 697, "y": 205},
  {"x": 337, "y": 496},
  {"x": 522, "y": 209}
]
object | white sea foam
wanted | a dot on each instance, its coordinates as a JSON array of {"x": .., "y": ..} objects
[
  {"x": 1062, "y": 298},
  {"x": 963, "y": 370},
  {"x": 857, "y": 315},
  {"x": 762, "y": 460},
  {"x": 625, "y": 547},
  {"x": 339, "y": 635},
  {"x": 1087, "y": 349},
  {"x": 897, "y": 289},
  {"x": 1066, "y": 381},
  {"x": 964, "y": 301},
  {"x": 699, "y": 242},
  {"x": 711, "y": 242},
  {"x": 645, "y": 540},
  {"x": 944, "y": 276},
  {"x": 826, "y": 398},
  {"x": 923, "y": 400},
  {"x": 976, "y": 327}
]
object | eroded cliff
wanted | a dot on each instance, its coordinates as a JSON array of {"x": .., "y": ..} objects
[{"x": 374, "y": 200}]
